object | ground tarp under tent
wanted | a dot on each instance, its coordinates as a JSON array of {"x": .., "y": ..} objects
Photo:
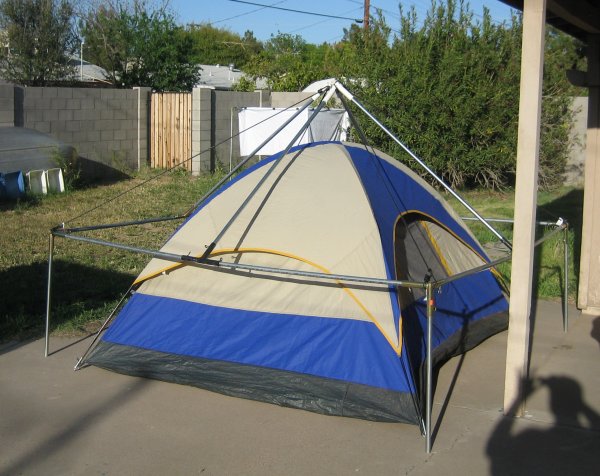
[{"x": 334, "y": 347}]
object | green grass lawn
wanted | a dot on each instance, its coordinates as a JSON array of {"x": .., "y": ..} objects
[
  {"x": 566, "y": 203},
  {"x": 89, "y": 280}
]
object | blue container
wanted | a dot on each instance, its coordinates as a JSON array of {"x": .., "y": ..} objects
[{"x": 12, "y": 185}]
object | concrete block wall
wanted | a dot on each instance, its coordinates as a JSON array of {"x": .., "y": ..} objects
[
  {"x": 282, "y": 99},
  {"x": 214, "y": 121},
  {"x": 202, "y": 137},
  {"x": 107, "y": 127},
  {"x": 226, "y": 124},
  {"x": 7, "y": 105}
]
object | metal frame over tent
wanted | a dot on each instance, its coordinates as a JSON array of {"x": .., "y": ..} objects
[{"x": 206, "y": 261}]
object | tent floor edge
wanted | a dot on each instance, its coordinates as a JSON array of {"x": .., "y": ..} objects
[
  {"x": 470, "y": 336},
  {"x": 284, "y": 388},
  {"x": 463, "y": 341}
]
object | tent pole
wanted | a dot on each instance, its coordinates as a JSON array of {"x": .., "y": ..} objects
[
  {"x": 429, "y": 295},
  {"x": 216, "y": 265},
  {"x": 231, "y": 135},
  {"x": 337, "y": 132},
  {"x": 104, "y": 325},
  {"x": 566, "y": 278},
  {"x": 324, "y": 98},
  {"x": 105, "y": 226},
  {"x": 346, "y": 93},
  {"x": 48, "y": 292},
  {"x": 353, "y": 120},
  {"x": 252, "y": 154}
]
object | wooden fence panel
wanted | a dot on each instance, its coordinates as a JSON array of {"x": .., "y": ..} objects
[{"x": 171, "y": 130}]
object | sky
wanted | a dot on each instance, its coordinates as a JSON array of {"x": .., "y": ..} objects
[{"x": 264, "y": 22}]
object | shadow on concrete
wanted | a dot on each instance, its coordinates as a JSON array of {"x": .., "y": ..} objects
[
  {"x": 72, "y": 430},
  {"x": 463, "y": 354},
  {"x": 65, "y": 347},
  {"x": 570, "y": 208},
  {"x": 9, "y": 346},
  {"x": 78, "y": 293},
  {"x": 595, "y": 333},
  {"x": 569, "y": 446}
]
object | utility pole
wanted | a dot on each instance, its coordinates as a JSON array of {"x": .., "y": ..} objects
[{"x": 366, "y": 15}]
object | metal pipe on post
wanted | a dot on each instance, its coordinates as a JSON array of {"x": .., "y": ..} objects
[
  {"x": 429, "y": 297},
  {"x": 48, "y": 292},
  {"x": 340, "y": 87}
]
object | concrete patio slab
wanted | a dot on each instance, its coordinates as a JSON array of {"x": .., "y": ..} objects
[{"x": 56, "y": 421}]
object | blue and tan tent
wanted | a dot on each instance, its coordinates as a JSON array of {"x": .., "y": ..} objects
[{"x": 334, "y": 347}]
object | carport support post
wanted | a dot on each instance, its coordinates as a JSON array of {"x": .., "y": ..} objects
[
  {"x": 48, "y": 290},
  {"x": 429, "y": 297},
  {"x": 589, "y": 273},
  {"x": 530, "y": 102}
]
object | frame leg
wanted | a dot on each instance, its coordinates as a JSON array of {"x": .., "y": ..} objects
[
  {"x": 429, "y": 296},
  {"x": 48, "y": 292},
  {"x": 566, "y": 279}
]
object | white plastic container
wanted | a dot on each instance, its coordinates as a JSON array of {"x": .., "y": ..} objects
[
  {"x": 38, "y": 181},
  {"x": 55, "y": 182}
]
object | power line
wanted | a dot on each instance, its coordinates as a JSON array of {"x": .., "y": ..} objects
[
  {"x": 319, "y": 22},
  {"x": 356, "y": 20},
  {"x": 389, "y": 12},
  {"x": 247, "y": 13}
]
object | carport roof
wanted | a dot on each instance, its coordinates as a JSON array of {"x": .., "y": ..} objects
[{"x": 578, "y": 18}]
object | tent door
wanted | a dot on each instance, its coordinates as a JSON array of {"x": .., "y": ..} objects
[{"x": 425, "y": 248}]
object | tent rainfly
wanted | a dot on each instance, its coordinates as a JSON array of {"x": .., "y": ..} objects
[{"x": 306, "y": 281}]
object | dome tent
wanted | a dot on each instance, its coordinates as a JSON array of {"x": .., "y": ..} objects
[
  {"x": 334, "y": 348},
  {"x": 327, "y": 277}
]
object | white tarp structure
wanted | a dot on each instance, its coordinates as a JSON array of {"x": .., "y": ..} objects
[{"x": 258, "y": 123}]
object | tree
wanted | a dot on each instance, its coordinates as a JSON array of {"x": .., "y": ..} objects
[
  {"x": 288, "y": 62},
  {"x": 140, "y": 46},
  {"x": 40, "y": 39},
  {"x": 562, "y": 53},
  {"x": 220, "y": 46},
  {"x": 450, "y": 90}
]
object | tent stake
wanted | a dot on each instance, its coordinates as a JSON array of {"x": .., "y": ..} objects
[
  {"x": 429, "y": 297},
  {"x": 346, "y": 93},
  {"x": 48, "y": 291}
]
